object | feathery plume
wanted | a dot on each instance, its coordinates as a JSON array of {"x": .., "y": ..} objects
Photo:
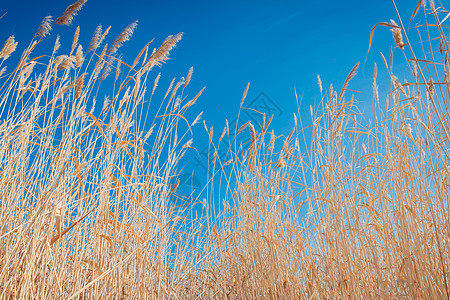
[
  {"x": 45, "y": 27},
  {"x": 57, "y": 45},
  {"x": 319, "y": 82},
  {"x": 155, "y": 85},
  {"x": 67, "y": 62},
  {"x": 79, "y": 86},
  {"x": 124, "y": 36},
  {"x": 118, "y": 67},
  {"x": 71, "y": 11},
  {"x": 245, "y": 93},
  {"x": 75, "y": 39},
  {"x": 102, "y": 38},
  {"x": 197, "y": 119},
  {"x": 162, "y": 54},
  {"x": 397, "y": 34},
  {"x": 8, "y": 48},
  {"x": 375, "y": 86},
  {"x": 95, "y": 39},
  {"x": 223, "y": 133},
  {"x": 58, "y": 60},
  {"x": 272, "y": 142},
  {"x": 188, "y": 77},
  {"x": 107, "y": 69},
  {"x": 79, "y": 58},
  {"x": 210, "y": 135},
  {"x": 2, "y": 71}
]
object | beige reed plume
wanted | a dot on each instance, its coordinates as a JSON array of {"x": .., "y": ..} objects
[
  {"x": 67, "y": 62},
  {"x": 124, "y": 36},
  {"x": 45, "y": 27},
  {"x": 79, "y": 57},
  {"x": 188, "y": 77},
  {"x": 71, "y": 11},
  {"x": 8, "y": 48},
  {"x": 75, "y": 39},
  {"x": 98, "y": 38},
  {"x": 95, "y": 41},
  {"x": 162, "y": 54},
  {"x": 397, "y": 34}
]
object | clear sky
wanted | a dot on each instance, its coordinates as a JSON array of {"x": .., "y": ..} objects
[{"x": 275, "y": 45}]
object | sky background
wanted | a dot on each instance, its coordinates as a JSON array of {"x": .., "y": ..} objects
[{"x": 277, "y": 46}]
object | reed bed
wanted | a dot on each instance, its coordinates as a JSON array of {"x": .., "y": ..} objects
[{"x": 85, "y": 184}]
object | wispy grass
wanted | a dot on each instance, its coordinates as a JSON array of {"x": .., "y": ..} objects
[{"x": 86, "y": 177}]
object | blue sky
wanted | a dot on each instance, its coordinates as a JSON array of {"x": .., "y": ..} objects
[{"x": 275, "y": 45}]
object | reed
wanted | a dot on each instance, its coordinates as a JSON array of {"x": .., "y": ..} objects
[{"x": 87, "y": 165}]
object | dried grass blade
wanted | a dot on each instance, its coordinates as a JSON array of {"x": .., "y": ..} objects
[{"x": 416, "y": 10}]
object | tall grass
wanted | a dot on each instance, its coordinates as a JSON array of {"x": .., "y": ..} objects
[{"x": 85, "y": 187}]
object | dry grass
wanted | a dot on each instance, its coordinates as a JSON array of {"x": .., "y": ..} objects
[{"x": 84, "y": 192}]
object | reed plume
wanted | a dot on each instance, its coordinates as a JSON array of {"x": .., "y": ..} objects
[
  {"x": 75, "y": 39},
  {"x": 124, "y": 36},
  {"x": 8, "y": 48},
  {"x": 79, "y": 58},
  {"x": 45, "y": 27},
  {"x": 162, "y": 53},
  {"x": 92, "y": 204},
  {"x": 71, "y": 11},
  {"x": 397, "y": 34},
  {"x": 95, "y": 41},
  {"x": 188, "y": 77}
]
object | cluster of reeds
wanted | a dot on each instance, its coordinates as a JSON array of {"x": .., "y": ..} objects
[
  {"x": 85, "y": 184},
  {"x": 364, "y": 212},
  {"x": 84, "y": 188}
]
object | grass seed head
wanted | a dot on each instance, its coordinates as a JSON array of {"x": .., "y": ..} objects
[
  {"x": 45, "y": 27},
  {"x": 71, "y": 11},
  {"x": 397, "y": 34},
  {"x": 8, "y": 48}
]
